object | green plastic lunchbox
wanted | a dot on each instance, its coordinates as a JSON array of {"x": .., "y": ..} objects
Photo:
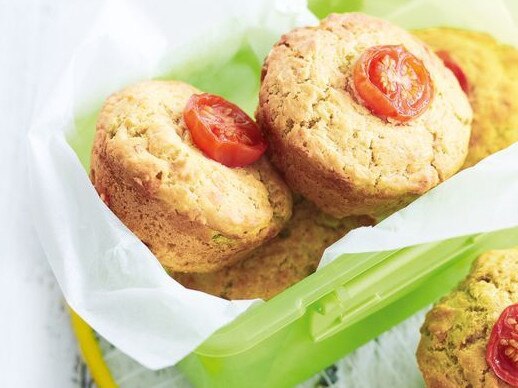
[{"x": 332, "y": 312}]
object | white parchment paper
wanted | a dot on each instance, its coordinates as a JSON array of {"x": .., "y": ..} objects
[{"x": 107, "y": 275}]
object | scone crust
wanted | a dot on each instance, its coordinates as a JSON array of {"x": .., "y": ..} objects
[
  {"x": 456, "y": 331},
  {"x": 193, "y": 213},
  {"x": 492, "y": 71},
  {"x": 276, "y": 265},
  {"x": 330, "y": 148}
]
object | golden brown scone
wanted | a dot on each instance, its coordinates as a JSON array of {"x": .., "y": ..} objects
[
  {"x": 279, "y": 263},
  {"x": 329, "y": 147},
  {"x": 492, "y": 71},
  {"x": 456, "y": 331},
  {"x": 193, "y": 213}
]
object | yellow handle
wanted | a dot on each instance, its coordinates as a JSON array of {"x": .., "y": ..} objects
[{"x": 91, "y": 352}]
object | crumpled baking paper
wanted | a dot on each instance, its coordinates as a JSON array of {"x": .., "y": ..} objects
[{"x": 107, "y": 275}]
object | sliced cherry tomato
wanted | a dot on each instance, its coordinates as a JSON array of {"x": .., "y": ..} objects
[
  {"x": 223, "y": 131},
  {"x": 455, "y": 69},
  {"x": 502, "y": 349},
  {"x": 392, "y": 83}
]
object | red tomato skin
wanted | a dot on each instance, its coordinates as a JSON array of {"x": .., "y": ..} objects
[
  {"x": 457, "y": 71},
  {"x": 229, "y": 152},
  {"x": 505, "y": 368},
  {"x": 390, "y": 107}
]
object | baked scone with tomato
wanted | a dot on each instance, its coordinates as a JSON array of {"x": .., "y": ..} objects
[
  {"x": 488, "y": 71},
  {"x": 361, "y": 116},
  {"x": 278, "y": 264},
  {"x": 470, "y": 338},
  {"x": 184, "y": 171}
]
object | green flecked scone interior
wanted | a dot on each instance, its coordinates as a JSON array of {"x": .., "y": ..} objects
[{"x": 456, "y": 331}]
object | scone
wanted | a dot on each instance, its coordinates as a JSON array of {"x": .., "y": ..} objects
[
  {"x": 280, "y": 263},
  {"x": 193, "y": 213},
  {"x": 454, "y": 337},
  {"x": 354, "y": 144},
  {"x": 491, "y": 70}
]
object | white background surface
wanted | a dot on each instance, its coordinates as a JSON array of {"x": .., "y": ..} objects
[{"x": 37, "y": 348}]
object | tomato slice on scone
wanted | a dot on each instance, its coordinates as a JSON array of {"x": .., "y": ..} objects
[
  {"x": 392, "y": 83},
  {"x": 502, "y": 349},
  {"x": 450, "y": 63},
  {"x": 223, "y": 131}
]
